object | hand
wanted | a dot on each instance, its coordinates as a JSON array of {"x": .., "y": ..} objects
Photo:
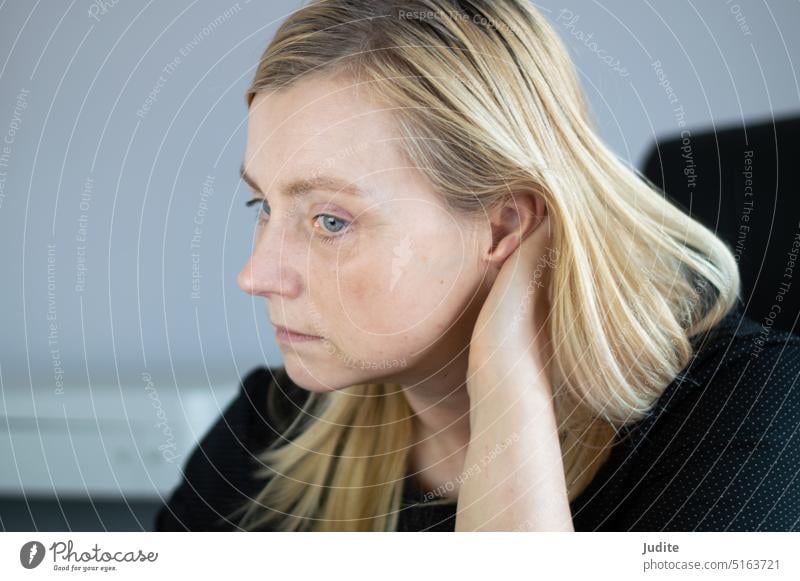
[
  {"x": 511, "y": 329},
  {"x": 511, "y": 401}
]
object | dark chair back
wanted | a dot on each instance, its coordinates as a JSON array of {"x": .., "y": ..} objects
[{"x": 744, "y": 184}]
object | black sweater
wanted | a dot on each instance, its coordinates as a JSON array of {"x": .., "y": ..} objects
[{"x": 719, "y": 452}]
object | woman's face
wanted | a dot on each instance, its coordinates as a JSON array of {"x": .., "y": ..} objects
[{"x": 388, "y": 278}]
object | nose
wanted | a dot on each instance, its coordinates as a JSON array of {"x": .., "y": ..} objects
[{"x": 268, "y": 271}]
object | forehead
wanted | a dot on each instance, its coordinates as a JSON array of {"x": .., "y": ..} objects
[{"x": 319, "y": 125}]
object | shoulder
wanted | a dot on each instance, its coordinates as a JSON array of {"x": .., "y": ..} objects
[
  {"x": 719, "y": 450},
  {"x": 216, "y": 478},
  {"x": 740, "y": 383}
]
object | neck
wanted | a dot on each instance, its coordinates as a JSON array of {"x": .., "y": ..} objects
[
  {"x": 437, "y": 395},
  {"x": 441, "y": 408}
]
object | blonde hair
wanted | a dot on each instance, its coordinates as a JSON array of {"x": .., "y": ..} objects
[{"x": 487, "y": 101}]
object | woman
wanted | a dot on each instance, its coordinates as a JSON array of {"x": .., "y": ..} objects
[{"x": 488, "y": 322}]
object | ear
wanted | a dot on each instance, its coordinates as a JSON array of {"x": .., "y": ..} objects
[{"x": 511, "y": 222}]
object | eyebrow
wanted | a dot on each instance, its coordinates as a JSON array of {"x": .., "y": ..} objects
[{"x": 301, "y": 186}]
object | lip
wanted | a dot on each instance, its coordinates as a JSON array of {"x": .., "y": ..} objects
[{"x": 285, "y": 335}]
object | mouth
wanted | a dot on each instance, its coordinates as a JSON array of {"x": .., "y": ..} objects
[{"x": 285, "y": 335}]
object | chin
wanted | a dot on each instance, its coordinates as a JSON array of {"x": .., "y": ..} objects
[
  {"x": 328, "y": 378},
  {"x": 309, "y": 377}
]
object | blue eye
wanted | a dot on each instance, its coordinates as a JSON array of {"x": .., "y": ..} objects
[
  {"x": 330, "y": 223},
  {"x": 334, "y": 228},
  {"x": 264, "y": 210}
]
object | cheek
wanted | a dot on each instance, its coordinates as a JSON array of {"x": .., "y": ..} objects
[
  {"x": 401, "y": 297},
  {"x": 365, "y": 303}
]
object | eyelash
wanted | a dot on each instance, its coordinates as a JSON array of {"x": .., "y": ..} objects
[{"x": 324, "y": 239}]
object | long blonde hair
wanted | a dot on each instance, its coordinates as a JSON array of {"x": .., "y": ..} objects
[{"x": 487, "y": 101}]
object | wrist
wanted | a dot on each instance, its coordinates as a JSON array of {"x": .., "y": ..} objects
[{"x": 522, "y": 381}]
